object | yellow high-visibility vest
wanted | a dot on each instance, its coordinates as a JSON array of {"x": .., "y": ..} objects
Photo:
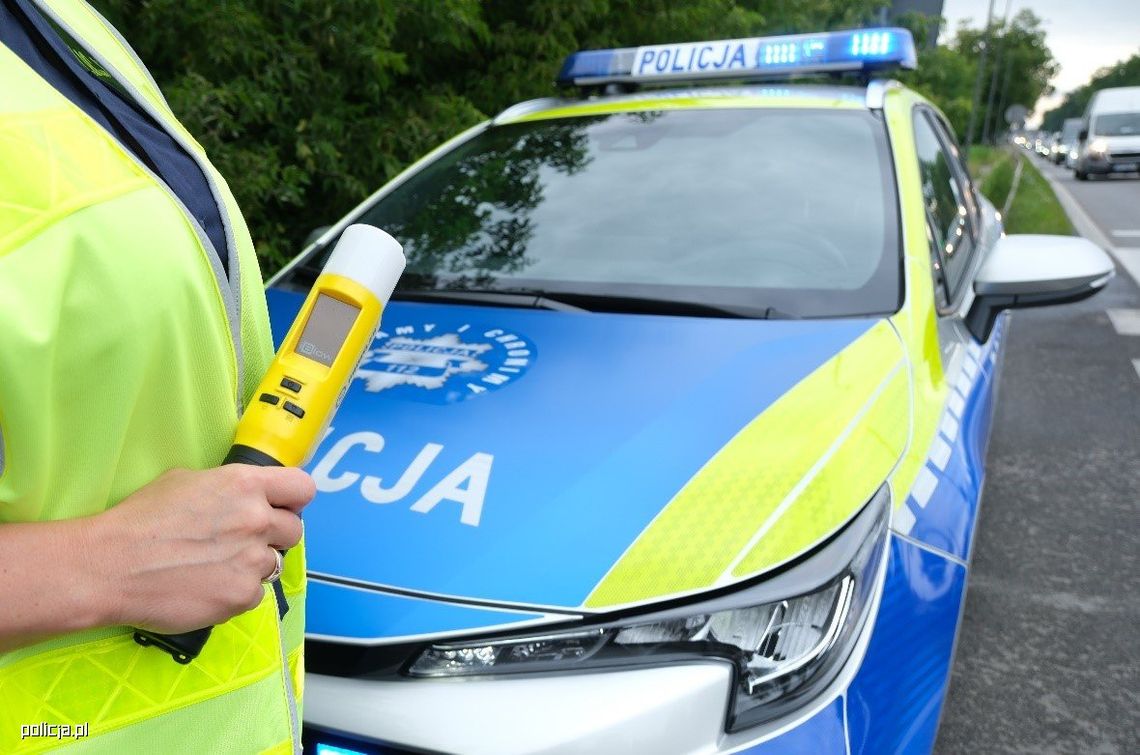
[{"x": 125, "y": 350}]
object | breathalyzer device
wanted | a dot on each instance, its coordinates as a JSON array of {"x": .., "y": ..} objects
[{"x": 295, "y": 401}]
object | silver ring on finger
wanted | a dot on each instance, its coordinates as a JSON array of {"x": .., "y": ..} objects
[{"x": 277, "y": 568}]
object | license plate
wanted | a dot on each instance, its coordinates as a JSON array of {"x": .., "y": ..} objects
[{"x": 1126, "y": 167}]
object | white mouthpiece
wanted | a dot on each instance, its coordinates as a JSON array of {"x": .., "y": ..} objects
[{"x": 370, "y": 257}]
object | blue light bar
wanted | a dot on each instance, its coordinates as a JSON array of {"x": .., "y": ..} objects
[{"x": 754, "y": 58}]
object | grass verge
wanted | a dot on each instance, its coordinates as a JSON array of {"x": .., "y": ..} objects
[
  {"x": 1035, "y": 208},
  {"x": 981, "y": 160},
  {"x": 998, "y": 181}
]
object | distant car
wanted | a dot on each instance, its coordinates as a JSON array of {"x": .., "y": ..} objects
[
  {"x": 673, "y": 440},
  {"x": 1027, "y": 140},
  {"x": 1070, "y": 140},
  {"x": 1056, "y": 149},
  {"x": 1111, "y": 137}
]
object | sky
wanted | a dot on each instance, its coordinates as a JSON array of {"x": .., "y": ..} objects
[{"x": 1083, "y": 35}]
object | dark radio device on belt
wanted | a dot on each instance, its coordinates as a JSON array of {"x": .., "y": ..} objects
[{"x": 308, "y": 378}]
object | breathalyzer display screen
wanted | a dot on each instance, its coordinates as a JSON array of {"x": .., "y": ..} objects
[{"x": 326, "y": 329}]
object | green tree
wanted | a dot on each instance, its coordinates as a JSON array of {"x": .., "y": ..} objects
[
  {"x": 1126, "y": 73},
  {"x": 307, "y": 106},
  {"x": 1018, "y": 68}
]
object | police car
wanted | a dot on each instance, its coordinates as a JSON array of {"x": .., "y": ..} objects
[{"x": 673, "y": 437}]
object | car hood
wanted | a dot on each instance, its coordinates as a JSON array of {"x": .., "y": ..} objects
[{"x": 492, "y": 466}]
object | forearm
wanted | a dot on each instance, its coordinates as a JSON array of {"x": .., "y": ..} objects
[
  {"x": 189, "y": 550},
  {"x": 51, "y": 581}
]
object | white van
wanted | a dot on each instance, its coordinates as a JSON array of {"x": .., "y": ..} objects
[{"x": 1110, "y": 141}]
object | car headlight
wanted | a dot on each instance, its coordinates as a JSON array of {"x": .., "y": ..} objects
[
  {"x": 1097, "y": 147},
  {"x": 785, "y": 644}
]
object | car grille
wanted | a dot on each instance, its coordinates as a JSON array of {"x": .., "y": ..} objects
[{"x": 1124, "y": 155}]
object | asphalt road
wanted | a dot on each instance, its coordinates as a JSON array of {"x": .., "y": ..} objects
[{"x": 1048, "y": 659}]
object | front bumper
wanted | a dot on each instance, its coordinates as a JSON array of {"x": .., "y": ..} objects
[
  {"x": 1111, "y": 164},
  {"x": 671, "y": 709},
  {"x": 888, "y": 700}
]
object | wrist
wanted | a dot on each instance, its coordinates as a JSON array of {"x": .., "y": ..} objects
[{"x": 99, "y": 561}]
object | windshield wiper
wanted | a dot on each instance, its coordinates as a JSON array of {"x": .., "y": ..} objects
[
  {"x": 581, "y": 301},
  {"x": 521, "y": 300},
  {"x": 682, "y": 307}
]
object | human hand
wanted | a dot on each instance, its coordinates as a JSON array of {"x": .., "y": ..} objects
[{"x": 190, "y": 549}]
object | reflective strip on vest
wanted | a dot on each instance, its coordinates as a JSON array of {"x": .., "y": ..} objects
[
  {"x": 116, "y": 684},
  {"x": 122, "y": 342}
]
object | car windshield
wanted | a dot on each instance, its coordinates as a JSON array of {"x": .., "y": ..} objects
[
  {"x": 788, "y": 212},
  {"x": 1117, "y": 124}
]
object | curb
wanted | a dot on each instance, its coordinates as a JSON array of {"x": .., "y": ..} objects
[
  {"x": 1080, "y": 219},
  {"x": 1126, "y": 258}
]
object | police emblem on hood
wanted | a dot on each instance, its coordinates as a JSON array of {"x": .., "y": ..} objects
[{"x": 442, "y": 366}]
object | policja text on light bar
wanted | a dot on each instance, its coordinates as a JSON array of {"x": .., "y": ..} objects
[{"x": 756, "y": 57}]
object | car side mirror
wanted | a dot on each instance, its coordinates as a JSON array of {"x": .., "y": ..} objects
[
  {"x": 1029, "y": 270},
  {"x": 1083, "y": 134},
  {"x": 315, "y": 234}
]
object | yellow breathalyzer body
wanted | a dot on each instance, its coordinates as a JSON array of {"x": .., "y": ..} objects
[
  {"x": 295, "y": 401},
  {"x": 310, "y": 375},
  {"x": 305, "y": 384}
]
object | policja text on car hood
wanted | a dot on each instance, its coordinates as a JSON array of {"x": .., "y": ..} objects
[{"x": 526, "y": 459}]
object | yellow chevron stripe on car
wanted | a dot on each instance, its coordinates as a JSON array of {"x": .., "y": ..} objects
[
  {"x": 765, "y": 477},
  {"x": 860, "y": 465}
]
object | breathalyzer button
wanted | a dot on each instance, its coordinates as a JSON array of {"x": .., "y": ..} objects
[
  {"x": 269, "y": 398},
  {"x": 291, "y": 384},
  {"x": 295, "y": 410}
]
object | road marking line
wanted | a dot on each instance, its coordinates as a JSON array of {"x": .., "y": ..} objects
[
  {"x": 1126, "y": 321},
  {"x": 1126, "y": 233},
  {"x": 1082, "y": 221},
  {"x": 1129, "y": 259}
]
